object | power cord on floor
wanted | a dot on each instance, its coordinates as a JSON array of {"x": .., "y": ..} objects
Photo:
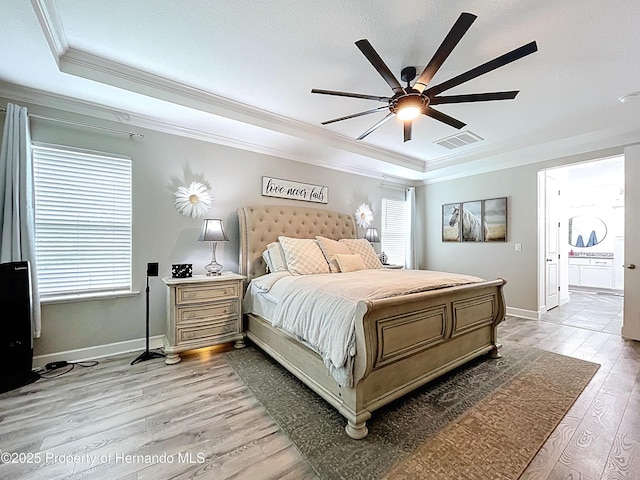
[{"x": 68, "y": 366}]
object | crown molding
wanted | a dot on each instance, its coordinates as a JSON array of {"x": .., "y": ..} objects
[
  {"x": 97, "y": 111},
  {"x": 86, "y": 65},
  {"x": 49, "y": 20}
]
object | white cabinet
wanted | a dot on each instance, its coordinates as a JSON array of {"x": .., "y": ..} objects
[{"x": 591, "y": 272}]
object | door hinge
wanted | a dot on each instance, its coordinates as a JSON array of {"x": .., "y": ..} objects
[
  {"x": 558, "y": 288},
  {"x": 558, "y": 256}
]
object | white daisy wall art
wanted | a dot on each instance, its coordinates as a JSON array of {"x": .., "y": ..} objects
[
  {"x": 364, "y": 216},
  {"x": 193, "y": 201}
]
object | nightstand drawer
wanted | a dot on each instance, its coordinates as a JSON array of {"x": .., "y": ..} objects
[
  {"x": 198, "y": 334},
  {"x": 206, "y": 293},
  {"x": 207, "y": 313}
]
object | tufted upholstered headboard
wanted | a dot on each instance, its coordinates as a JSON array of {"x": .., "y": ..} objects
[{"x": 261, "y": 225}]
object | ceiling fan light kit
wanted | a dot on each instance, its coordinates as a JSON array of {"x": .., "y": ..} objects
[{"x": 408, "y": 103}]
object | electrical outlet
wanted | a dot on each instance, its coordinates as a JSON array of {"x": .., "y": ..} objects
[{"x": 518, "y": 247}]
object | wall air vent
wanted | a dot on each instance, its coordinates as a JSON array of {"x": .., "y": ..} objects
[{"x": 458, "y": 140}]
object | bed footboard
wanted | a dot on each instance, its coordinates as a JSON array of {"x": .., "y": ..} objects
[{"x": 401, "y": 344}]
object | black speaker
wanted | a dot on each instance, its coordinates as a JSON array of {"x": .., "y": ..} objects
[
  {"x": 16, "y": 343},
  {"x": 152, "y": 269}
]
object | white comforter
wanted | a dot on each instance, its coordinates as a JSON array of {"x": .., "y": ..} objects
[{"x": 321, "y": 309}]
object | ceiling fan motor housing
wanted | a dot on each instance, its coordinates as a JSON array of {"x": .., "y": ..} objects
[{"x": 412, "y": 98}]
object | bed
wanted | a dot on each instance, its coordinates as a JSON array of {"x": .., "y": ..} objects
[{"x": 401, "y": 342}]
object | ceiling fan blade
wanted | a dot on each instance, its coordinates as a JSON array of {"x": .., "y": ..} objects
[
  {"x": 377, "y": 62},
  {"x": 355, "y": 115},
  {"x": 443, "y": 117},
  {"x": 498, "y": 62},
  {"x": 407, "y": 129},
  {"x": 446, "y": 47},
  {"x": 385, "y": 119},
  {"x": 352, "y": 95},
  {"x": 474, "y": 97}
]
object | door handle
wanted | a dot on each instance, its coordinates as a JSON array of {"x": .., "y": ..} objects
[{"x": 631, "y": 266}]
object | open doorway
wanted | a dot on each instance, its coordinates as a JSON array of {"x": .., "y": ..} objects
[{"x": 582, "y": 254}]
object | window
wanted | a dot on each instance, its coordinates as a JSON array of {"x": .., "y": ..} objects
[
  {"x": 82, "y": 221},
  {"x": 394, "y": 230}
]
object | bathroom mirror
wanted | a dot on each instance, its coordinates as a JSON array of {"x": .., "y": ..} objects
[{"x": 586, "y": 231}]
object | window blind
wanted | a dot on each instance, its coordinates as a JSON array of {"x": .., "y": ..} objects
[
  {"x": 394, "y": 230},
  {"x": 82, "y": 220}
]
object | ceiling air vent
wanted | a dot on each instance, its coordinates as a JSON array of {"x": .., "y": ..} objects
[{"x": 458, "y": 140}]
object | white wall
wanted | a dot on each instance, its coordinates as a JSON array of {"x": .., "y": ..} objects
[{"x": 161, "y": 234}]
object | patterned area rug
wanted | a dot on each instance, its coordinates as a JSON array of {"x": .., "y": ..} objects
[{"x": 484, "y": 420}]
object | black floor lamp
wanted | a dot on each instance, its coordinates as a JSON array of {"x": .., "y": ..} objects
[{"x": 152, "y": 271}]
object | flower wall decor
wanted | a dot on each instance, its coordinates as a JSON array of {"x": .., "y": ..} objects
[
  {"x": 364, "y": 216},
  {"x": 193, "y": 201}
]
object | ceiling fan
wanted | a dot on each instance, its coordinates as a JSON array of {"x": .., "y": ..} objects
[{"x": 407, "y": 103}]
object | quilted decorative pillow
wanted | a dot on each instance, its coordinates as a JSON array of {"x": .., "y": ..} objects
[
  {"x": 349, "y": 263},
  {"x": 331, "y": 248},
  {"x": 303, "y": 256},
  {"x": 276, "y": 255},
  {"x": 365, "y": 250}
]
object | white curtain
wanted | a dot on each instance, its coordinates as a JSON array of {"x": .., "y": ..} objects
[
  {"x": 411, "y": 257},
  {"x": 17, "y": 199}
]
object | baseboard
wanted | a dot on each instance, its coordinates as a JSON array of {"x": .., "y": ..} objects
[
  {"x": 522, "y": 313},
  {"x": 98, "y": 351}
]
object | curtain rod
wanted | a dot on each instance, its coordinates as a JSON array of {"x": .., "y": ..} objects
[{"x": 69, "y": 122}]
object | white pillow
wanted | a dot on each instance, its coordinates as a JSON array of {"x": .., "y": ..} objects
[
  {"x": 365, "y": 250},
  {"x": 330, "y": 248},
  {"x": 350, "y": 263},
  {"x": 276, "y": 255},
  {"x": 303, "y": 256}
]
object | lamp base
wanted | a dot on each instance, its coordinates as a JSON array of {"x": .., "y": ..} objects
[{"x": 213, "y": 269}]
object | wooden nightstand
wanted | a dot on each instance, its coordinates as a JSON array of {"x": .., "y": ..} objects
[{"x": 203, "y": 311}]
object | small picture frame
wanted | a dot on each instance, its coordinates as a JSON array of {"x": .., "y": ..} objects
[
  {"x": 451, "y": 227},
  {"x": 181, "y": 270},
  {"x": 494, "y": 213},
  {"x": 472, "y": 224}
]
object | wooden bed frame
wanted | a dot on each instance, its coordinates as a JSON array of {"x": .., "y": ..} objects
[{"x": 402, "y": 342}]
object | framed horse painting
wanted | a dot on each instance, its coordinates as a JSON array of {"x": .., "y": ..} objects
[
  {"x": 473, "y": 228},
  {"x": 476, "y": 221},
  {"x": 451, "y": 226}
]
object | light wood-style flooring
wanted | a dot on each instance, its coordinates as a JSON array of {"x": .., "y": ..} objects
[{"x": 197, "y": 419}]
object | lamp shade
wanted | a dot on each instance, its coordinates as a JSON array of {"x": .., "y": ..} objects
[
  {"x": 372, "y": 235},
  {"x": 212, "y": 231}
]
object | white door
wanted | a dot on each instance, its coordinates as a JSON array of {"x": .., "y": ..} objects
[
  {"x": 631, "y": 325},
  {"x": 552, "y": 214}
]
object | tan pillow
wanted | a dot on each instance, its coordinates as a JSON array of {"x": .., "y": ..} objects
[
  {"x": 365, "y": 250},
  {"x": 303, "y": 256},
  {"x": 330, "y": 248},
  {"x": 349, "y": 263},
  {"x": 276, "y": 255}
]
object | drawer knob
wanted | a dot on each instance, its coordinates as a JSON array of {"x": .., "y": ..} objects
[{"x": 631, "y": 266}]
